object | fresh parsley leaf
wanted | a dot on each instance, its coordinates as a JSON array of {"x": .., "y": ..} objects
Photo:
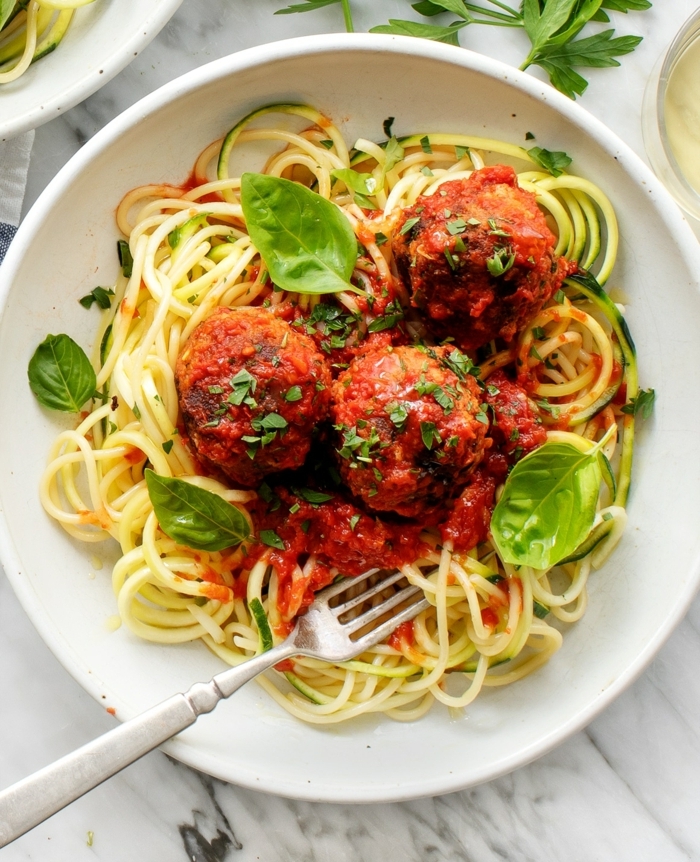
[
  {"x": 626, "y": 5},
  {"x": 396, "y": 27},
  {"x": 643, "y": 403},
  {"x": 556, "y": 162},
  {"x": 306, "y": 6}
]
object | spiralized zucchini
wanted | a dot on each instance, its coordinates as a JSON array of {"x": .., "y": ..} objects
[
  {"x": 486, "y": 625},
  {"x": 31, "y": 30}
]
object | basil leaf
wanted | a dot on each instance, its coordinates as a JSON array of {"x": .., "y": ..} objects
[
  {"x": 194, "y": 517},
  {"x": 548, "y": 505},
  {"x": 60, "y": 374},
  {"x": 363, "y": 184},
  {"x": 6, "y": 7},
  {"x": 306, "y": 242}
]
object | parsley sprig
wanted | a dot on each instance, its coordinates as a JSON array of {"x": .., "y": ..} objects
[{"x": 552, "y": 27}]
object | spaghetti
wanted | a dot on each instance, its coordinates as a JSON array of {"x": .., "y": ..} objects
[{"x": 189, "y": 254}]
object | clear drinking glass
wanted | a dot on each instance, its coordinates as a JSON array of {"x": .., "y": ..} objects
[{"x": 671, "y": 117}]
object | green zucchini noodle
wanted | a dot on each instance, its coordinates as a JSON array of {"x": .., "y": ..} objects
[
  {"x": 33, "y": 30},
  {"x": 191, "y": 255}
]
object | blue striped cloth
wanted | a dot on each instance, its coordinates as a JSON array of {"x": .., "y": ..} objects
[{"x": 14, "y": 164}]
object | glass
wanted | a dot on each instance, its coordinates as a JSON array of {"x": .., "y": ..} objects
[{"x": 671, "y": 117}]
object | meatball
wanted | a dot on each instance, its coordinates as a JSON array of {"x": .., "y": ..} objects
[
  {"x": 410, "y": 427},
  {"x": 251, "y": 390},
  {"x": 477, "y": 258},
  {"x": 516, "y": 429}
]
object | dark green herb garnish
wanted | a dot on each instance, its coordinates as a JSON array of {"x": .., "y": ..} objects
[
  {"x": 271, "y": 539},
  {"x": 294, "y": 393},
  {"x": 126, "y": 261},
  {"x": 643, "y": 402},
  {"x": 60, "y": 374},
  {"x": 194, "y": 517},
  {"x": 101, "y": 295},
  {"x": 554, "y": 162},
  {"x": 412, "y": 222},
  {"x": 430, "y": 435},
  {"x": 306, "y": 242},
  {"x": 500, "y": 261}
]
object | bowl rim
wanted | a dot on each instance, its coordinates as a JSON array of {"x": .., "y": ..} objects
[
  {"x": 86, "y": 85},
  {"x": 250, "y": 58}
]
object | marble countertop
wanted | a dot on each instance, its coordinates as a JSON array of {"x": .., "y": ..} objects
[{"x": 624, "y": 789}]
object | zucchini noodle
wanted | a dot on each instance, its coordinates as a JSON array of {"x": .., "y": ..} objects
[
  {"x": 33, "y": 29},
  {"x": 191, "y": 254}
]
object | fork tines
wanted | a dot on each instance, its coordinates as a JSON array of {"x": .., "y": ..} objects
[{"x": 377, "y": 611}]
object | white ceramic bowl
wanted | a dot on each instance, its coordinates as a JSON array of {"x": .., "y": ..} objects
[
  {"x": 67, "y": 245},
  {"x": 102, "y": 39}
]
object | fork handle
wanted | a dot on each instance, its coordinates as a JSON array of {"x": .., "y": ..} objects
[{"x": 29, "y": 802}]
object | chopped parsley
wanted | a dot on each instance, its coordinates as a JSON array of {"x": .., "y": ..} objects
[
  {"x": 101, "y": 295},
  {"x": 243, "y": 386},
  {"x": 293, "y": 394},
  {"x": 397, "y": 414},
  {"x": 425, "y": 145},
  {"x": 460, "y": 364},
  {"x": 126, "y": 261},
  {"x": 430, "y": 434},
  {"x": 500, "y": 261},
  {"x": 456, "y": 226},
  {"x": 270, "y": 538},
  {"x": 452, "y": 262},
  {"x": 412, "y": 222},
  {"x": 392, "y": 314}
]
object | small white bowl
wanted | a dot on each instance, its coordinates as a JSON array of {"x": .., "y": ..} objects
[
  {"x": 102, "y": 39},
  {"x": 66, "y": 246}
]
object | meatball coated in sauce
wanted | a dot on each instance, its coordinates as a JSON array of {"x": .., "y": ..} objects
[
  {"x": 251, "y": 391},
  {"x": 407, "y": 426},
  {"x": 450, "y": 259}
]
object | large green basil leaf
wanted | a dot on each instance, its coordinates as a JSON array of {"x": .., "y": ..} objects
[
  {"x": 195, "y": 517},
  {"x": 548, "y": 505},
  {"x": 306, "y": 242},
  {"x": 6, "y": 7},
  {"x": 60, "y": 374}
]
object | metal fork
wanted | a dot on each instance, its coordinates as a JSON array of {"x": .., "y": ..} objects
[{"x": 320, "y": 633}]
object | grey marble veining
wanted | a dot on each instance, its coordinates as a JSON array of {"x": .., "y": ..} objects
[{"x": 625, "y": 789}]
